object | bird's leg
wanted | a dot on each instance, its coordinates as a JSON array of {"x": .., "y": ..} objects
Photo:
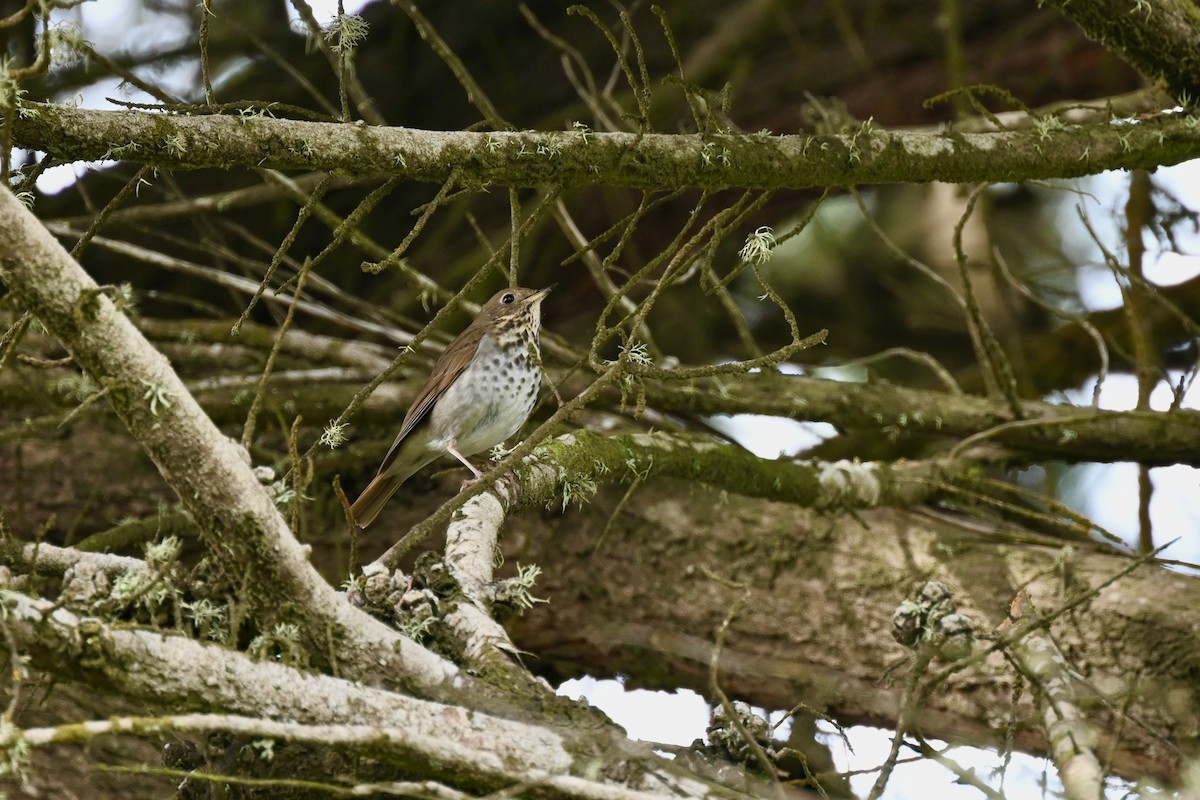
[{"x": 452, "y": 449}]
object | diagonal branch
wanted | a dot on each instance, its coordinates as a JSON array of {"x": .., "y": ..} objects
[{"x": 240, "y": 524}]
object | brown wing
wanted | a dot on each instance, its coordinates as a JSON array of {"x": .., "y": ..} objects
[{"x": 449, "y": 366}]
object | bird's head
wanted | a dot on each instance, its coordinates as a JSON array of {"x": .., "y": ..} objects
[{"x": 515, "y": 306}]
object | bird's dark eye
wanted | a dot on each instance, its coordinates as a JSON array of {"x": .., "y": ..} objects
[{"x": 508, "y": 299}]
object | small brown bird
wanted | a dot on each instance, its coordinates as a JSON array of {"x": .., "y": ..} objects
[{"x": 480, "y": 392}]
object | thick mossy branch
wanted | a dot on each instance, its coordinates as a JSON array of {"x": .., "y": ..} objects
[
  {"x": 567, "y": 469},
  {"x": 1160, "y": 38},
  {"x": 652, "y": 161},
  {"x": 1067, "y": 433},
  {"x": 443, "y": 741},
  {"x": 1063, "y": 432}
]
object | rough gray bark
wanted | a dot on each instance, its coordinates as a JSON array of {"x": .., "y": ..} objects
[{"x": 635, "y": 588}]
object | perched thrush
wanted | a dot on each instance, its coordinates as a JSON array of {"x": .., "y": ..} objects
[{"x": 480, "y": 393}]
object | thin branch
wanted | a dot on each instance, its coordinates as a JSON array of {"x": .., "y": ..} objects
[{"x": 475, "y": 94}]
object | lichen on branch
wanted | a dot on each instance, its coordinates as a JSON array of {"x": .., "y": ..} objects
[{"x": 868, "y": 154}]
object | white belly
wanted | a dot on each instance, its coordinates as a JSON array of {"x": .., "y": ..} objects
[{"x": 493, "y": 408}]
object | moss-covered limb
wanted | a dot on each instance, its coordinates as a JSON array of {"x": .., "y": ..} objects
[
  {"x": 464, "y": 747},
  {"x": 1049, "y": 431},
  {"x": 568, "y": 468},
  {"x": 566, "y": 158},
  {"x": 240, "y": 524},
  {"x": 136, "y": 532},
  {"x": 1069, "y": 433},
  {"x": 1160, "y": 38},
  {"x": 179, "y": 673},
  {"x": 309, "y": 346},
  {"x": 44, "y": 559}
]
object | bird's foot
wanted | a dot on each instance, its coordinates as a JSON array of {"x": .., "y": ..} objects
[{"x": 510, "y": 478}]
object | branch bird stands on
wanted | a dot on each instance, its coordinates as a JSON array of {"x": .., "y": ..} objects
[{"x": 480, "y": 392}]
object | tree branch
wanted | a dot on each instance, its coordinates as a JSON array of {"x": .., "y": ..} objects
[
  {"x": 1071, "y": 738},
  {"x": 818, "y": 626},
  {"x": 1160, "y": 38},
  {"x": 466, "y": 748},
  {"x": 238, "y": 520},
  {"x": 650, "y": 161},
  {"x": 468, "y": 764},
  {"x": 461, "y": 746},
  {"x": 1058, "y": 431}
]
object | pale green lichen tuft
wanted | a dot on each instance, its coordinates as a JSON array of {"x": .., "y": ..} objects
[
  {"x": 637, "y": 353},
  {"x": 1047, "y": 126},
  {"x": 346, "y": 32},
  {"x": 711, "y": 155},
  {"x": 10, "y": 90},
  {"x": 334, "y": 435},
  {"x": 416, "y": 629},
  {"x": 68, "y": 48},
  {"x": 759, "y": 246},
  {"x": 575, "y": 488},
  {"x": 208, "y": 617},
  {"x": 520, "y": 588},
  {"x": 14, "y": 752},
  {"x": 158, "y": 394},
  {"x": 550, "y": 146},
  {"x": 281, "y": 643},
  {"x": 585, "y": 133},
  {"x": 500, "y": 452},
  {"x": 163, "y": 551},
  {"x": 263, "y": 748}
]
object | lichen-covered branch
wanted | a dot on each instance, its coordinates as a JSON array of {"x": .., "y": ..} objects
[
  {"x": 471, "y": 540},
  {"x": 440, "y": 741},
  {"x": 458, "y": 745},
  {"x": 238, "y": 519},
  {"x": 567, "y": 469},
  {"x": 652, "y": 161},
  {"x": 389, "y": 741},
  {"x": 1072, "y": 741},
  {"x": 1048, "y": 430}
]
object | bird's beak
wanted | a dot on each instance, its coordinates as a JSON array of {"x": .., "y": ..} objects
[{"x": 541, "y": 295}]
